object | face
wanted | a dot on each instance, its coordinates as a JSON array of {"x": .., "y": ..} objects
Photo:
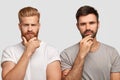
[
  {"x": 29, "y": 27},
  {"x": 88, "y": 25}
]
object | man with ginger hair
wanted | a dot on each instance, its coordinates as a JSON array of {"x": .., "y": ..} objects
[{"x": 31, "y": 59}]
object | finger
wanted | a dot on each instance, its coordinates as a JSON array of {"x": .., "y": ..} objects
[
  {"x": 86, "y": 39},
  {"x": 32, "y": 39},
  {"x": 90, "y": 39},
  {"x": 24, "y": 40},
  {"x": 65, "y": 72},
  {"x": 90, "y": 43}
]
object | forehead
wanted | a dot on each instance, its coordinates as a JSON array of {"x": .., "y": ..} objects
[
  {"x": 88, "y": 18},
  {"x": 30, "y": 19}
]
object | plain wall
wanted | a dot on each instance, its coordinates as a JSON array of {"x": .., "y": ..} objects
[{"x": 58, "y": 23}]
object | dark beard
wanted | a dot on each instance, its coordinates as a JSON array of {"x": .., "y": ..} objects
[{"x": 93, "y": 35}]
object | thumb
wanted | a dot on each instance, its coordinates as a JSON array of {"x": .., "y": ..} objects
[{"x": 24, "y": 40}]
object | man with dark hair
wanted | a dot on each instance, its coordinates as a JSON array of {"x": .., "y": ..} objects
[
  {"x": 31, "y": 59},
  {"x": 89, "y": 59}
]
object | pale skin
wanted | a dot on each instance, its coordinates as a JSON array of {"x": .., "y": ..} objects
[
  {"x": 87, "y": 44},
  {"x": 10, "y": 70}
]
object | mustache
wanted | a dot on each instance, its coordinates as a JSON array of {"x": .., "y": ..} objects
[
  {"x": 88, "y": 31},
  {"x": 29, "y": 32}
]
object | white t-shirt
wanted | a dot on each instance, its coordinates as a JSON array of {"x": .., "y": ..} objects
[{"x": 36, "y": 69}]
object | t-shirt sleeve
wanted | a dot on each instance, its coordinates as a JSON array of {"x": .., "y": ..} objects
[
  {"x": 115, "y": 61},
  {"x": 65, "y": 62},
  {"x": 7, "y": 55},
  {"x": 53, "y": 54}
]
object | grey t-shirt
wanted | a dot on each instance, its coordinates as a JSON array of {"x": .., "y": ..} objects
[{"x": 97, "y": 66}]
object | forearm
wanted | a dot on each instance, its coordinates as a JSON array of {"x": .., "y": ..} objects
[
  {"x": 18, "y": 72},
  {"x": 77, "y": 69},
  {"x": 115, "y": 76}
]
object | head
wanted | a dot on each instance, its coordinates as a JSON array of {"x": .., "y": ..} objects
[
  {"x": 87, "y": 21},
  {"x": 29, "y": 22}
]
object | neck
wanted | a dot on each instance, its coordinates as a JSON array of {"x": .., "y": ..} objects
[{"x": 95, "y": 45}]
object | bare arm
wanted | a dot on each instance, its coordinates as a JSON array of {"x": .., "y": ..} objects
[
  {"x": 115, "y": 76},
  {"x": 10, "y": 70},
  {"x": 54, "y": 71},
  {"x": 76, "y": 72}
]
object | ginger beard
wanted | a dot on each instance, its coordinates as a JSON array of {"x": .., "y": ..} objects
[{"x": 30, "y": 34}]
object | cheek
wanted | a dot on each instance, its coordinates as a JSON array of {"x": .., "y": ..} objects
[
  {"x": 36, "y": 30},
  {"x": 23, "y": 31},
  {"x": 82, "y": 30},
  {"x": 95, "y": 28}
]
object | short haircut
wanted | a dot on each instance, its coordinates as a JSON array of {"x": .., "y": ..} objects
[
  {"x": 27, "y": 12},
  {"x": 85, "y": 10}
]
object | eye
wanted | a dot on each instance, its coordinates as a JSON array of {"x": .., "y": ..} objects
[
  {"x": 25, "y": 25},
  {"x": 92, "y": 23},
  {"x": 82, "y": 24},
  {"x": 33, "y": 24}
]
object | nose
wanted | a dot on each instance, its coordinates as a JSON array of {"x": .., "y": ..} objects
[
  {"x": 87, "y": 26},
  {"x": 29, "y": 28}
]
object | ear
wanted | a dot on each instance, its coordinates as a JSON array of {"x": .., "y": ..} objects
[
  {"x": 19, "y": 25},
  {"x": 98, "y": 24},
  {"x": 77, "y": 24},
  {"x": 39, "y": 25}
]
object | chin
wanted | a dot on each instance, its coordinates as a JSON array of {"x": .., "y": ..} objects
[{"x": 29, "y": 37}]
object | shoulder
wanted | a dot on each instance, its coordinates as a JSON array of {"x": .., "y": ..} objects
[
  {"x": 12, "y": 47},
  {"x": 48, "y": 46},
  {"x": 109, "y": 49},
  {"x": 49, "y": 49},
  {"x": 51, "y": 52},
  {"x": 106, "y": 46},
  {"x": 9, "y": 52},
  {"x": 73, "y": 47},
  {"x": 70, "y": 51}
]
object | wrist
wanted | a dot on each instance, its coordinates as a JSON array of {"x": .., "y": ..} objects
[{"x": 28, "y": 53}]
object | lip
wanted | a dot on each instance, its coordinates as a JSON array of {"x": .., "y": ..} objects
[
  {"x": 88, "y": 33},
  {"x": 29, "y": 33}
]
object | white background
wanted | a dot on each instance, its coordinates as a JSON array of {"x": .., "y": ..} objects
[{"x": 58, "y": 23}]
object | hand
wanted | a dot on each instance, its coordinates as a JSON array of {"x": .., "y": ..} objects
[
  {"x": 65, "y": 72},
  {"x": 85, "y": 45},
  {"x": 31, "y": 45}
]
